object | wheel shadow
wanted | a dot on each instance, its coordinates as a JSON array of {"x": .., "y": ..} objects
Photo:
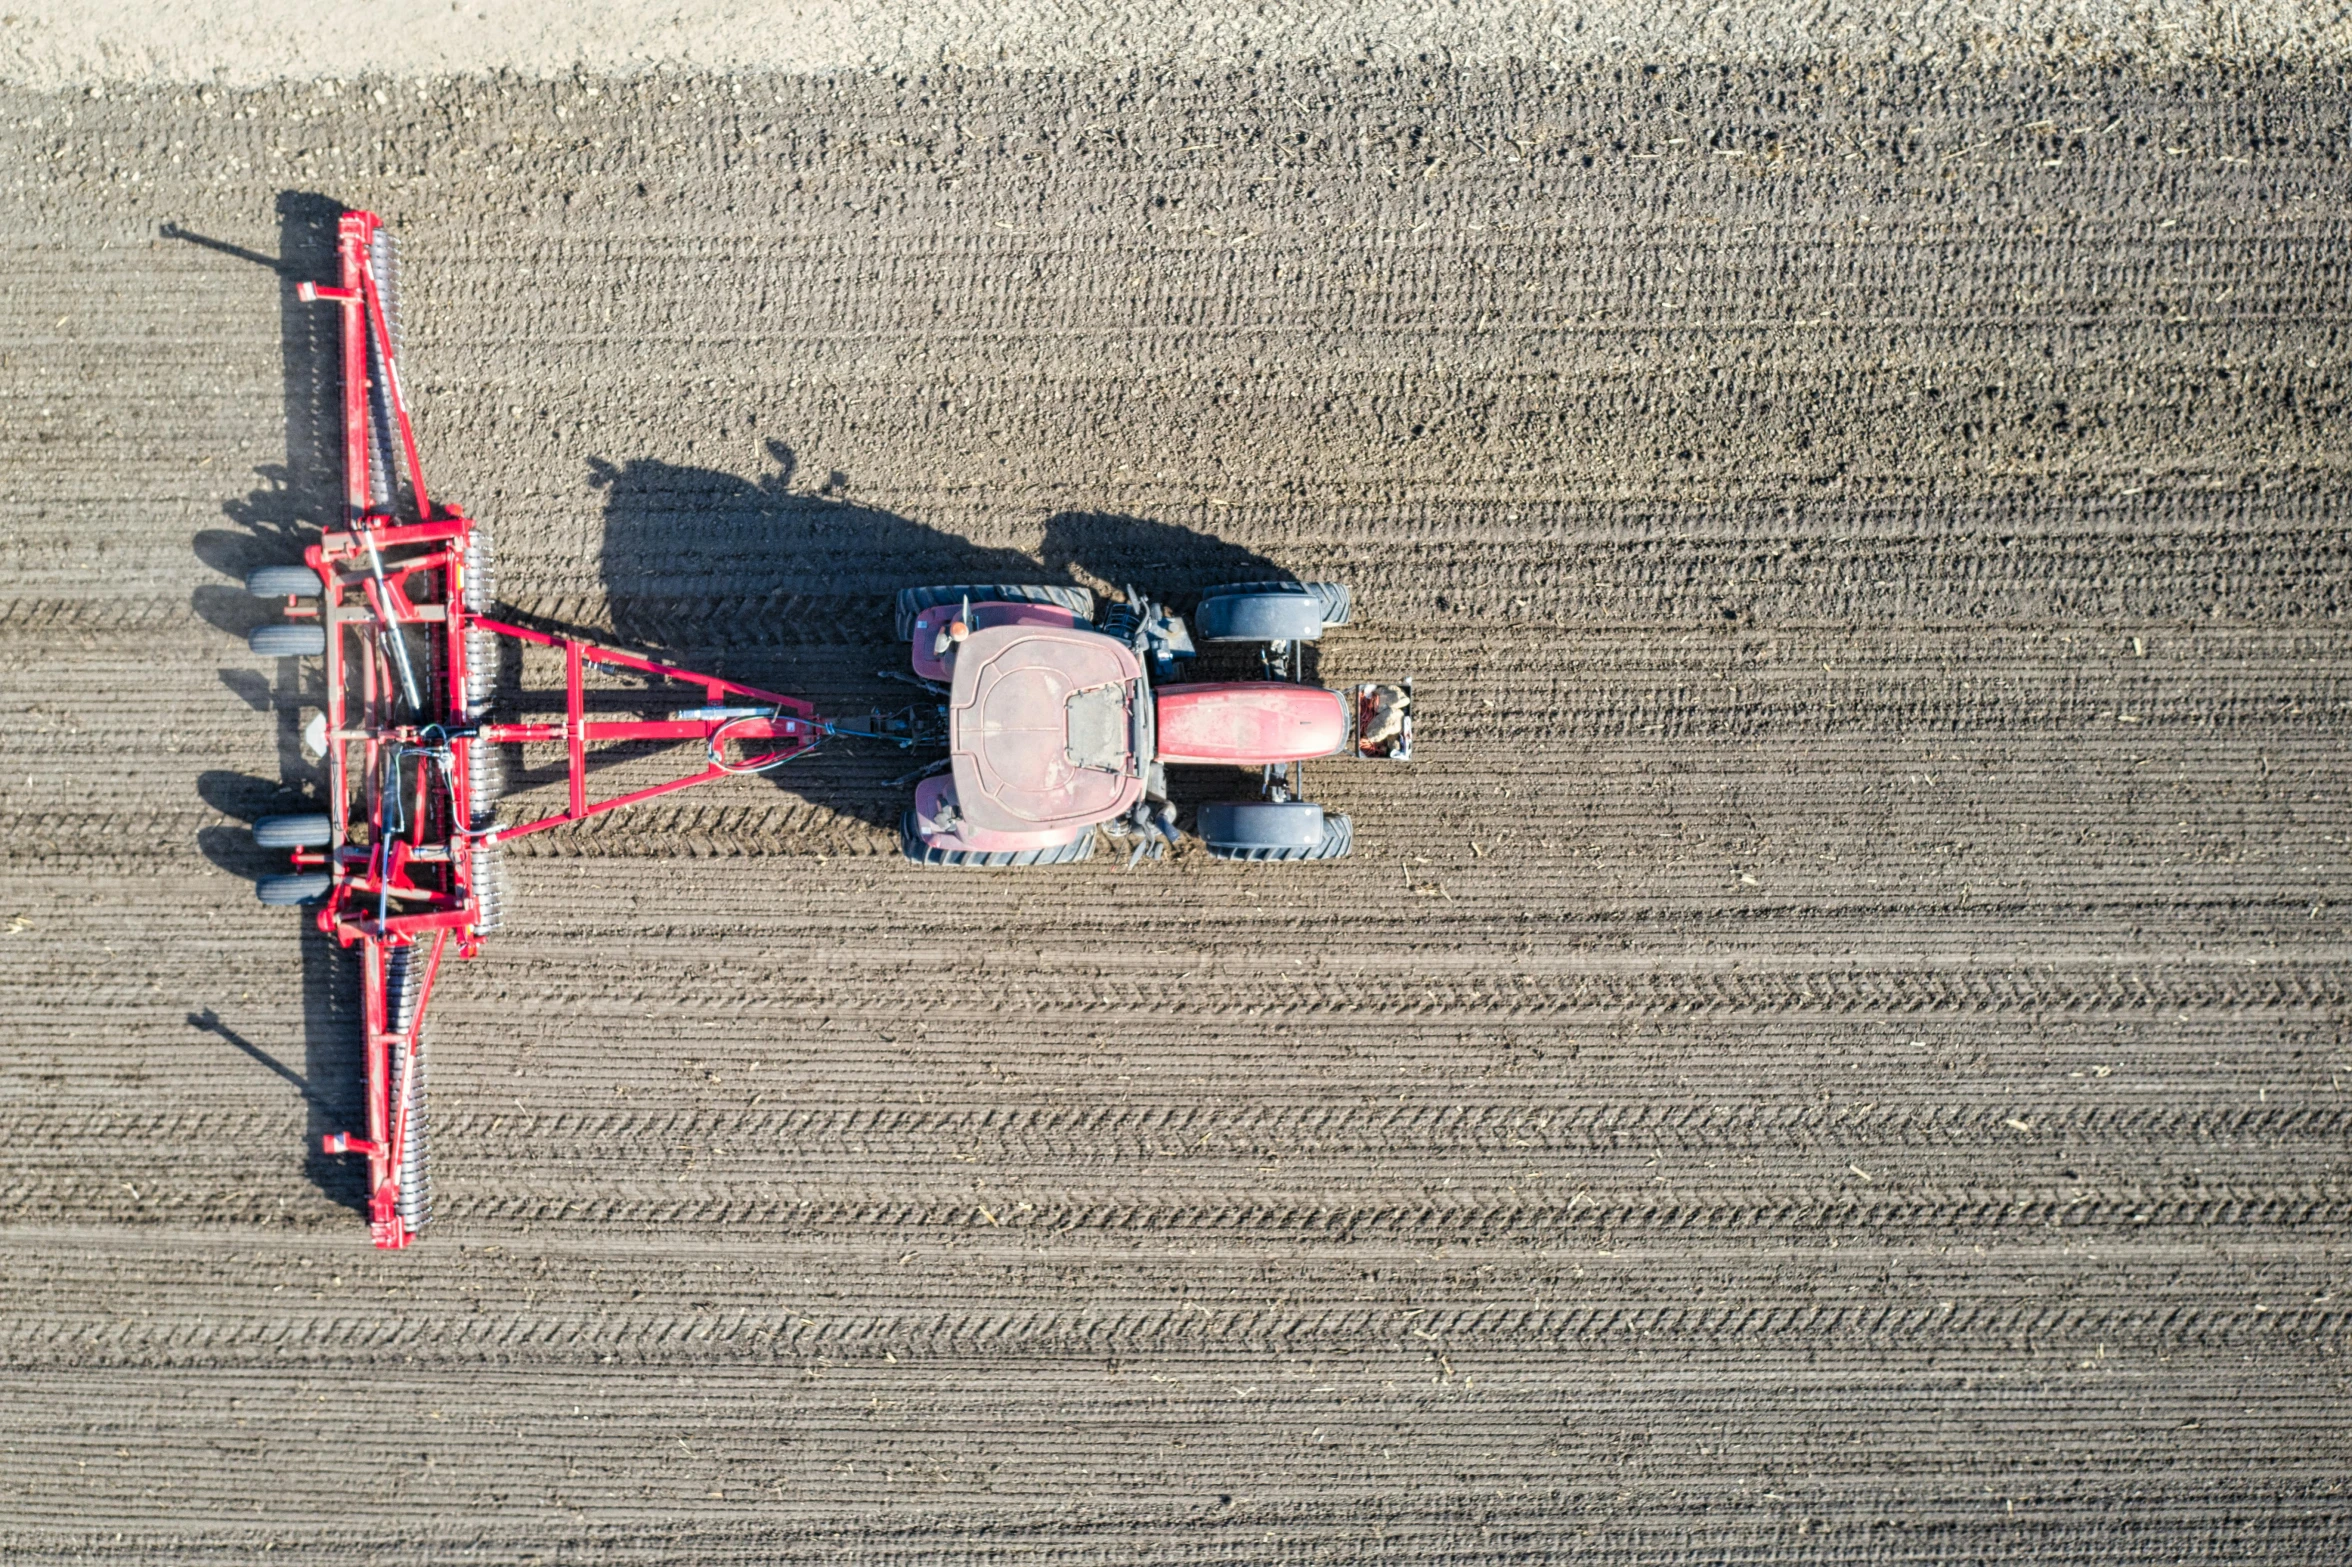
[
  {"x": 787, "y": 583},
  {"x": 288, "y": 507}
]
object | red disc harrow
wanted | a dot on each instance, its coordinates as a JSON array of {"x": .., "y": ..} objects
[{"x": 405, "y": 863}]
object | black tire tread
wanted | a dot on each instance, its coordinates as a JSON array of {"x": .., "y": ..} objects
[
  {"x": 1339, "y": 837},
  {"x": 913, "y": 601},
  {"x": 1337, "y": 602},
  {"x": 277, "y": 582},
  {"x": 911, "y": 843},
  {"x": 287, "y": 640},
  {"x": 308, "y": 830},
  {"x": 286, "y": 892}
]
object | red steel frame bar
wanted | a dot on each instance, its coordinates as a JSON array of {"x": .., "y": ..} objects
[
  {"x": 799, "y": 731},
  {"x": 411, "y": 882}
]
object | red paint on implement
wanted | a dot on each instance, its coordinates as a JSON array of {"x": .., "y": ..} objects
[{"x": 404, "y": 872}]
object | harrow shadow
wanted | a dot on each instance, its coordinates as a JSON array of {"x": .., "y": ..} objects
[
  {"x": 208, "y": 1022},
  {"x": 270, "y": 525},
  {"x": 790, "y": 585},
  {"x": 296, "y": 498}
]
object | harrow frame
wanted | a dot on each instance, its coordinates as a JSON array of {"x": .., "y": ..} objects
[{"x": 412, "y": 847}]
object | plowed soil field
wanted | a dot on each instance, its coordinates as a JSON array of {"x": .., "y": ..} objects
[{"x": 1835, "y": 1049}]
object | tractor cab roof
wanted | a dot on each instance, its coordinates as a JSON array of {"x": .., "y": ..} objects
[{"x": 1045, "y": 724}]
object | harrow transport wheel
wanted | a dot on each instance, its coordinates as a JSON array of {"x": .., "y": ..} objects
[
  {"x": 910, "y": 843},
  {"x": 913, "y": 601},
  {"x": 1265, "y": 830},
  {"x": 285, "y": 892},
  {"x": 293, "y": 832},
  {"x": 481, "y": 572},
  {"x": 287, "y": 641},
  {"x": 277, "y": 582},
  {"x": 402, "y": 973},
  {"x": 1271, "y": 611}
]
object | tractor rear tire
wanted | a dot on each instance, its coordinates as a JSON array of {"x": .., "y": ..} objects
[
  {"x": 1333, "y": 598},
  {"x": 1258, "y": 830},
  {"x": 913, "y": 601},
  {"x": 285, "y": 892},
  {"x": 910, "y": 842},
  {"x": 401, "y": 977},
  {"x": 294, "y": 832},
  {"x": 287, "y": 640},
  {"x": 277, "y": 582}
]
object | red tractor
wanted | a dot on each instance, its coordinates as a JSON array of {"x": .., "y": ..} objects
[
  {"x": 1059, "y": 723},
  {"x": 1050, "y": 717}
]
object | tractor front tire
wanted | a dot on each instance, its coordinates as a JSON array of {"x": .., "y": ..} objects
[
  {"x": 1258, "y": 830},
  {"x": 1332, "y": 602},
  {"x": 913, "y": 601},
  {"x": 910, "y": 842}
]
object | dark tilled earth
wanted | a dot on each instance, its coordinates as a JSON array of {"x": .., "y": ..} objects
[{"x": 1835, "y": 1050}]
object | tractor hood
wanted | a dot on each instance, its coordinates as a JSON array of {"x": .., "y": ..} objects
[
  {"x": 1043, "y": 727},
  {"x": 1252, "y": 723}
]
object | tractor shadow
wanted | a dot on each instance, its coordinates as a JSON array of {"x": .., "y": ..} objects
[
  {"x": 790, "y": 586},
  {"x": 269, "y": 525}
]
